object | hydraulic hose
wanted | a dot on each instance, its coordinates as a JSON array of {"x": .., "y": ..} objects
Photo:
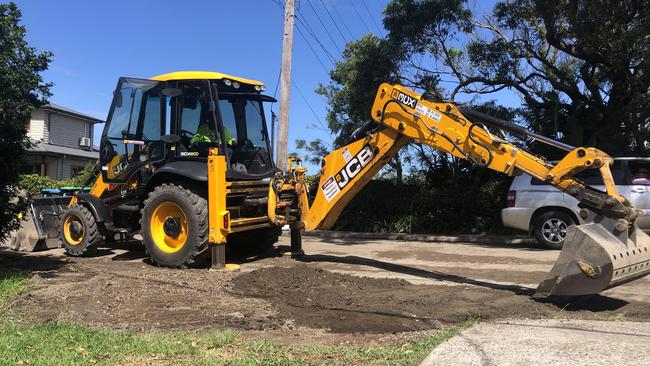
[{"x": 511, "y": 127}]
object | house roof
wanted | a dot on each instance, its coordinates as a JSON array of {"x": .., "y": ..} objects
[
  {"x": 49, "y": 149},
  {"x": 194, "y": 75},
  {"x": 64, "y": 110}
]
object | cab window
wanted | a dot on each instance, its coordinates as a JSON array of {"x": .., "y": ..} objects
[
  {"x": 134, "y": 126},
  {"x": 197, "y": 127},
  {"x": 245, "y": 134}
]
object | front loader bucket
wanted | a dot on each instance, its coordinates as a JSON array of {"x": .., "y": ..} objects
[
  {"x": 39, "y": 229},
  {"x": 26, "y": 238},
  {"x": 595, "y": 257}
]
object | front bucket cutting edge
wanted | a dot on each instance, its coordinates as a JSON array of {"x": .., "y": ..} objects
[{"x": 596, "y": 257}]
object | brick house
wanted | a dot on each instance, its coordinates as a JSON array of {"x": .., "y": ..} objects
[{"x": 63, "y": 142}]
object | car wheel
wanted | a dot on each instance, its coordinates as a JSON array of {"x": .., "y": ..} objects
[{"x": 550, "y": 228}]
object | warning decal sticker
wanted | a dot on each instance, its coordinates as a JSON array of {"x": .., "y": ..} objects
[
  {"x": 346, "y": 155},
  {"x": 423, "y": 110},
  {"x": 330, "y": 188}
]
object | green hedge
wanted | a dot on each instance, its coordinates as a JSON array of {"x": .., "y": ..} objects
[
  {"x": 34, "y": 183},
  {"x": 459, "y": 205}
]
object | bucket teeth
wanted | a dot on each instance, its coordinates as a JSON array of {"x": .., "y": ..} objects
[{"x": 596, "y": 257}]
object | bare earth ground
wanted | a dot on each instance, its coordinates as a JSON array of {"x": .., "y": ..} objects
[{"x": 342, "y": 291}]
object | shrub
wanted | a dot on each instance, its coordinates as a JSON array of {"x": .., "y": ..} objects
[
  {"x": 468, "y": 204},
  {"x": 80, "y": 179},
  {"x": 33, "y": 183}
]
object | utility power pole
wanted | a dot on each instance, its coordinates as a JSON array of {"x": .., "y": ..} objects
[{"x": 285, "y": 85}]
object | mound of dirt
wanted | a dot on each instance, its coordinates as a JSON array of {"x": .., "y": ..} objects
[
  {"x": 281, "y": 297},
  {"x": 119, "y": 295},
  {"x": 342, "y": 303}
]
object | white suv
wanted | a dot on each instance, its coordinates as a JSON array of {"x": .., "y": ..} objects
[{"x": 546, "y": 212}]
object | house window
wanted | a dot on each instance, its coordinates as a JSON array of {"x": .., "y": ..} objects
[
  {"x": 32, "y": 169},
  {"x": 75, "y": 169}
]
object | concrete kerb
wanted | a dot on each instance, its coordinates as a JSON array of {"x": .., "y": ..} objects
[{"x": 479, "y": 239}]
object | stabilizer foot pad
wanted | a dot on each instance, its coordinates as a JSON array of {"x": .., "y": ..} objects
[
  {"x": 229, "y": 267},
  {"x": 293, "y": 254}
]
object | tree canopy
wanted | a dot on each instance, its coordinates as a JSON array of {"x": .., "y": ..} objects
[
  {"x": 583, "y": 73},
  {"x": 21, "y": 89}
]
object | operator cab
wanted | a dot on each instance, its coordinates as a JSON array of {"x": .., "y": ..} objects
[{"x": 180, "y": 116}]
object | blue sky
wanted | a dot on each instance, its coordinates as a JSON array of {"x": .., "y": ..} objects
[{"x": 95, "y": 42}]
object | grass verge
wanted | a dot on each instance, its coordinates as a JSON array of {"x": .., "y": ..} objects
[
  {"x": 12, "y": 283},
  {"x": 68, "y": 344}
]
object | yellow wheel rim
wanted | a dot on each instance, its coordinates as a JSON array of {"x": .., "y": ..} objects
[
  {"x": 73, "y": 230},
  {"x": 168, "y": 242}
]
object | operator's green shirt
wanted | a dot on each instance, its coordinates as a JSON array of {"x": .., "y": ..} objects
[{"x": 205, "y": 134}]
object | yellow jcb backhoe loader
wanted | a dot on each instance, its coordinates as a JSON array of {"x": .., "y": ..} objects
[{"x": 185, "y": 159}]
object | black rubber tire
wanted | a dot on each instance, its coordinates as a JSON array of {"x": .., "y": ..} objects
[
  {"x": 91, "y": 232},
  {"x": 538, "y": 224},
  {"x": 253, "y": 242},
  {"x": 195, "y": 209}
]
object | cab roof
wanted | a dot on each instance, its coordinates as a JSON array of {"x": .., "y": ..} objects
[{"x": 203, "y": 75}]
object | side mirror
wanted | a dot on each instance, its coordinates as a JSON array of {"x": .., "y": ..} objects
[{"x": 170, "y": 139}]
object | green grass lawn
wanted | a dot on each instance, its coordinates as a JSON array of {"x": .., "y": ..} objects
[{"x": 69, "y": 344}]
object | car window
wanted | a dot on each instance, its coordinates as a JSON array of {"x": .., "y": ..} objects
[
  {"x": 639, "y": 172},
  {"x": 592, "y": 177}
]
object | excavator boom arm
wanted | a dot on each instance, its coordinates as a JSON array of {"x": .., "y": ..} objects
[
  {"x": 402, "y": 115},
  {"x": 606, "y": 250}
]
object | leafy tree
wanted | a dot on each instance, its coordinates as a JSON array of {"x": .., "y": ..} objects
[
  {"x": 366, "y": 63},
  {"x": 80, "y": 178},
  {"x": 314, "y": 150},
  {"x": 580, "y": 66},
  {"x": 21, "y": 90}
]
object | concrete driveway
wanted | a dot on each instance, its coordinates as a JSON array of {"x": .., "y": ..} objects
[{"x": 547, "y": 342}]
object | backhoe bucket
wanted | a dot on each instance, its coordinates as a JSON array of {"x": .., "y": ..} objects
[{"x": 596, "y": 256}]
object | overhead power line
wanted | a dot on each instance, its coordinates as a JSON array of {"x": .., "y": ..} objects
[
  {"x": 359, "y": 15},
  {"x": 363, "y": 2},
  {"x": 302, "y": 35},
  {"x": 320, "y": 122},
  {"x": 342, "y": 20},
  {"x": 334, "y": 21},
  {"x": 315, "y": 37},
  {"x": 323, "y": 25},
  {"x": 312, "y": 50}
]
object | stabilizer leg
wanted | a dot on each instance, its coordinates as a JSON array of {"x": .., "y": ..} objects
[
  {"x": 218, "y": 259},
  {"x": 296, "y": 243}
]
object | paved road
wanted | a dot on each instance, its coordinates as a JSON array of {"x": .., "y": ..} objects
[{"x": 547, "y": 342}]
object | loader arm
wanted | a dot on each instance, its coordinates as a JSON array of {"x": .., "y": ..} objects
[{"x": 606, "y": 251}]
